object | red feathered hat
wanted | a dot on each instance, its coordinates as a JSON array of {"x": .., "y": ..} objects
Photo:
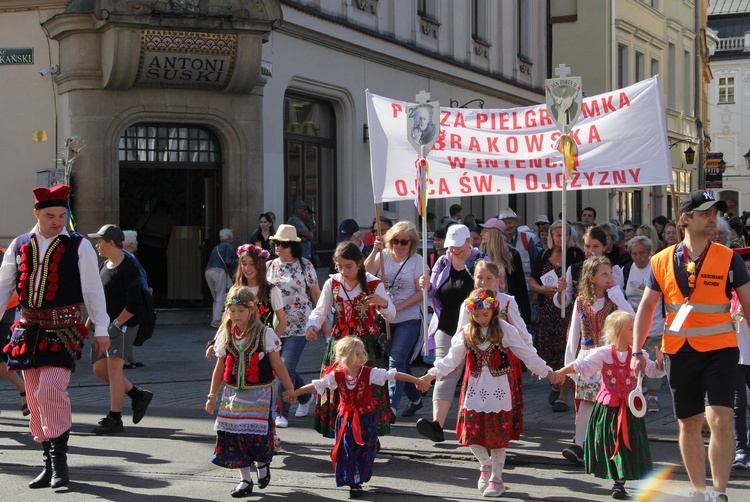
[{"x": 51, "y": 197}]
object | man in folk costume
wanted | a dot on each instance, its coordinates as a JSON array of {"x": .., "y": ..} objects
[
  {"x": 696, "y": 278},
  {"x": 53, "y": 271}
]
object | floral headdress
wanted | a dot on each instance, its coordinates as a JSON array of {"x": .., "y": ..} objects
[
  {"x": 242, "y": 303},
  {"x": 253, "y": 249},
  {"x": 481, "y": 301}
]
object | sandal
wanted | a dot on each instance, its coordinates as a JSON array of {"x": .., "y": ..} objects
[{"x": 25, "y": 411}]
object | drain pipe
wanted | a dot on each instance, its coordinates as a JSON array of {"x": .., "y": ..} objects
[{"x": 698, "y": 6}]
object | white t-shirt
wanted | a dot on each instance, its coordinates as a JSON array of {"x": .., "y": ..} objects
[{"x": 405, "y": 284}]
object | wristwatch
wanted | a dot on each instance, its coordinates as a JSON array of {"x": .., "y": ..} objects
[{"x": 116, "y": 322}]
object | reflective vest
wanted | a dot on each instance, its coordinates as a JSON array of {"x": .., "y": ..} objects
[{"x": 709, "y": 324}]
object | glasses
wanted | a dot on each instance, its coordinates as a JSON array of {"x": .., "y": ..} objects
[
  {"x": 628, "y": 229},
  {"x": 400, "y": 242},
  {"x": 283, "y": 244}
]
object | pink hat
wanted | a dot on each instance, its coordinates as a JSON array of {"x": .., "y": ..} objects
[{"x": 494, "y": 223}]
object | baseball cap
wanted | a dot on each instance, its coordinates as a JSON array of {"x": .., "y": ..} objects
[
  {"x": 507, "y": 213},
  {"x": 109, "y": 233},
  {"x": 494, "y": 223},
  {"x": 301, "y": 203},
  {"x": 457, "y": 235},
  {"x": 347, "y": 228},
  {"x": 701, "y": 200}
]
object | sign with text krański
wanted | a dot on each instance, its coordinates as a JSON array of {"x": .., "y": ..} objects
[
  {"x": 186, "y": 59},
  {"x": 16, "y": 56}
]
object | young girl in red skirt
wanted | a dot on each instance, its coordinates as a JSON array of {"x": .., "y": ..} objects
[
  {"x": 485, "y": 417},
  {"x": 616, "y": 445},
  {"x": 356, "y": 422}
]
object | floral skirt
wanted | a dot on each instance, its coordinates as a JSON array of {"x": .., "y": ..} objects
[
  {"x": 491, "y": 430},
  {"x": 354, "y": 462},
  {"x": 244, "y": 429},
  {"x": 629, "y": 463},
  {"x": 327, "y": 403}
]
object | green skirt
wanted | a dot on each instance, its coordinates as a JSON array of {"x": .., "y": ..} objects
[
  {"x": 326, "y": 404},
  {"x": 601, "y": 437}
]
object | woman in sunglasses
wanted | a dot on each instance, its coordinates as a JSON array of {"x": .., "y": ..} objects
[
  {"x": 296, "y": 279},
  {"x": 403, "y": 268}
]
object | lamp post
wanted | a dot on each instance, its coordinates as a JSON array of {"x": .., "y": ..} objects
[{"x": 690, "y": 155}]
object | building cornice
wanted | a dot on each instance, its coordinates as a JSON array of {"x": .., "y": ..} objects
[{"x": 21, "y": 5}]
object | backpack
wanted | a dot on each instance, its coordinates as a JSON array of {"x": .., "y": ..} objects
[{"x": 146, "y": 318}]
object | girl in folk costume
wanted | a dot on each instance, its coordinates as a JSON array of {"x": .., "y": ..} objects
[
  {"x": 247, "y": 354},
  {"x": 251, "y": 272},
  {"x": 485, "y": 417},
  {"x": 598, "y": 297},
  {"x": 356, "y": 422},
  {"x": 616, "y": 446},
  {"x": 488, "y": 275},
  {"x": 356, "y": 297}
]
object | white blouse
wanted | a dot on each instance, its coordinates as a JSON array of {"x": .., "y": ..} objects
[{"x": 378, "y": 376}]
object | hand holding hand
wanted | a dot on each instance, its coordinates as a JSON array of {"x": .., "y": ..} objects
[
  {"x": 423, "y": 386},
  {"x": 428, "y": 379},
  {"x": 289, "y": 396}
]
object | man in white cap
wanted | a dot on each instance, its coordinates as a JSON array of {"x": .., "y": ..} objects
[
  {"x": 540, "y": 222},
  {"x": 523, "y": 242}
]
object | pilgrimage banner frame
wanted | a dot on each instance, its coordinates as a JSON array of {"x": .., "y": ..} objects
[{"x": 621, "y": 137}]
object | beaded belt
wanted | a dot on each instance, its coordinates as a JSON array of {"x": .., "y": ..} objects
[{"x": 60, "y": 317}]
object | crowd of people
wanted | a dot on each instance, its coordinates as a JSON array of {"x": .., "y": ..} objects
[{"x": 632, "y": 304}]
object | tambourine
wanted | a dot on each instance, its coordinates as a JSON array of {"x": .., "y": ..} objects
[{"x": 636, "y": 395}]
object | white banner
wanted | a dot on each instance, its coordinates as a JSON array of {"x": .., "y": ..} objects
[{"x": 621, "y": 137}]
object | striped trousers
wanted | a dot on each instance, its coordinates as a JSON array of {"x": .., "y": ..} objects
[{"x": 48, "y": 400}]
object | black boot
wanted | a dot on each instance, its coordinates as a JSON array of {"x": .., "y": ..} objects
[
  {"x": 43, "y": 480},
  {"x": 59, "y": 453}
]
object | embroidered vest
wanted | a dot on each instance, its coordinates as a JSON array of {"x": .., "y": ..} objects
[
  {"x": 61, "y": 280},
  {"x": 360, "y": 397},
  {"x": 244, "y": 367},
  {"x": 617, "y": 381},
  {"x": 360, "y": 320},
  {"x": 592, "y": 323},
  {"x": 265, "y": 310},
  {"x": 495, "y": 357},
  {"x": 709, "y": 324}
]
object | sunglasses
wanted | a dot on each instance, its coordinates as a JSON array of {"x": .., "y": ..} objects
[
  {"x": 404, "y": 242},
  {"x": 283, "y": 244},
  {"x": 628, "y": 229}
]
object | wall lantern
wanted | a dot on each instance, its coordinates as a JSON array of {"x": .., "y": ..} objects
[{"x": 690, "y": 155}]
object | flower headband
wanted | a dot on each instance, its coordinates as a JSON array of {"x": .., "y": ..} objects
[
  {"x": 242, "y": 303},
  {"x": 481, "y": 301},
  {"x": 253, "y": 249}
]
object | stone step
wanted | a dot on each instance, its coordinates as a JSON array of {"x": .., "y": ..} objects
[{"x": 171, "y": 316}]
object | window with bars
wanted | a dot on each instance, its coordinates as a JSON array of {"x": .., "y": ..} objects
[
  {"x": 169, "y": 143},
  {"x": 726, "y": 90}
]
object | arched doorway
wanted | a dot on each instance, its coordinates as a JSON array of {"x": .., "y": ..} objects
[{"x": 170, "y": 192}]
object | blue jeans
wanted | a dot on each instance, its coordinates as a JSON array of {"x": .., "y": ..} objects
[
  {"x": 403, "y": 337},
  {"x": 291, "y": 351}
]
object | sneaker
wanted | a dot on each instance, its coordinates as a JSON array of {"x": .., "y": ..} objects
[
  {"x": 574, "y": 454},
  {"x": 108, "y": 425},
  {"x": 484, "y": 477},
  {"x": 141, "y": 405},
  {"x": 695, "y": 496},
  {"x": 618, "y": 492},
  {"x": 652, "y": 404},
  {"x": 430, "y": 429},
  {"x": 721, "y": 497},
  {"x": 303, "y": 409},
  {"x": 741, "y": 460},
  {"x": 282, "y": 422},
  {"x": 412, "y": 409},
  {"x": 494, "y": 489},
  {"x": 276, "y": 443}
]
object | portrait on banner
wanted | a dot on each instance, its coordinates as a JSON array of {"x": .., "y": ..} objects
[
  {"x": 564, "y": 100},
  {"x": 423, "y": 130}
]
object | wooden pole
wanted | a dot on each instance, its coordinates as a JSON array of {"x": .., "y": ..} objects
[{"x": 382, "y": 267}]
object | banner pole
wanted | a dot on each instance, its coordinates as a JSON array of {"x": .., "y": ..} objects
[
  {"x": 382, "y": 267},
  {"x": 564, "y": 245},
  {"x": 424, "y": 263}
]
